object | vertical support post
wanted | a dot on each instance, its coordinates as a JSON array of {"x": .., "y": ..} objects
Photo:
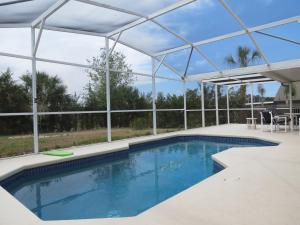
[
  {"x": 252, "y": 107},
  {"x": 228, "y": 107},
  {"x": 291, "y": 106},
  {"x": 108, "y": 106},
  {"x": 184, "y": 103},
  {"x": 34, "y": 95},
  {"x": 202, "y": 104},
  {"x": 154, "y": 98},
  {"x": 217, "y": 104}
]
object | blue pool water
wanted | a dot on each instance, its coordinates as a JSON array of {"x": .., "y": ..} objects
[{"x": 120, "y": 184}]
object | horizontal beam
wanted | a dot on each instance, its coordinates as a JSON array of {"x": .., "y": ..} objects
[
  {"x": 144, "y": 74},
  {"x": 246, "y": 109},
  {"x": 73, "y": 31},
  {"x": 80, "y": 65},
  {"x": 244, "y": 81},
  {"x": 194, "y": 110},
  {"x": 261, "y": 82},
  {"x": 235, "y": 77},
  {"x": 132, "y": 110},
  {"x": 84, "y": 112},
  {"x": 4, "y": 3},
  {"x": 16, "y": 114},
  {"x": 15, "y": 25},
  {"x": 278, "y": 37},
  {"x": 70, "y": 113},
  {"x": 63, "y": 63},
  {"x": 15, "y": 56},
  {"x": 231, "y": 35},
  {"x": 167, "y": 110},
  {"x": 118, "y": 111}
]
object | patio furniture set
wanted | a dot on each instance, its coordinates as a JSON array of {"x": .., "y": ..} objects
[{"x": 274, "y": 122}]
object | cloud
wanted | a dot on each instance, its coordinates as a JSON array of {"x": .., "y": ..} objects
[
  {"x": 89, "y": 18},
  {"x": 78, "y": 48},
  {"x": 181, "y": 20},
  {"x": 144, "y": 7},
  {"x": 198, "y": 6},
  {"x": 65, "y": 47},
  {"x": 150, "y": 37},
  {"x": 24, "y": 12}
]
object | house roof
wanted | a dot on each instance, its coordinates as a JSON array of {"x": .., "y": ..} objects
[{"x": 281, "y": 95}]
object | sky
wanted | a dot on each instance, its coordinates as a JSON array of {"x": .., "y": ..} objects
[{"x": 197, "y": 21}]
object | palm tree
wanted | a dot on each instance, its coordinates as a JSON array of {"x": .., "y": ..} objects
[
  {"x": 261, "y": 90},
  {"x": 243, "y": 58},
  {"x": 287, "y": 92}
]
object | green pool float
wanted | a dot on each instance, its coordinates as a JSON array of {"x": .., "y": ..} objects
[{"x": 61, "y": 153}]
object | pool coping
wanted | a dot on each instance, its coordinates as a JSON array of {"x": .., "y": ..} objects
[
  {"x": 114, "y": 150},
  {"x": 126, "y": 144},
  {"x": 133, "y": 147}
]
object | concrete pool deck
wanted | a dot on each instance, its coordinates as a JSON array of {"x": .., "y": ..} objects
[{"x": 260, "y": 185}]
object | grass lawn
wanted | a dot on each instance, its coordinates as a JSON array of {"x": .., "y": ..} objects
[{"x": 22, "y": 144}]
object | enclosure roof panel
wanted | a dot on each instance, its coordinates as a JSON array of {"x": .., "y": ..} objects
[
  {"x": 85, "y": 17},
  {"x": 212, "y": 30},
  {"x": 23, "y": 12}
]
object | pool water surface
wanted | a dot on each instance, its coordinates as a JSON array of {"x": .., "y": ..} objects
[{"x": 121, "y": 184}]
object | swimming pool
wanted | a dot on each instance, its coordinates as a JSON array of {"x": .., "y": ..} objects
[{"x": 120, "y": 184}]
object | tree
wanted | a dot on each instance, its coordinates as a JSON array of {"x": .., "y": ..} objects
[
  {"x": 95, "y": 97},
  {"x": 287, "y": 92},
  {"x": 52, "y": 96},
  {"x": 51, "y": 93},
  {"x": 13, "y": 99},
  {"x": 244, "y": 57},
  {"x": 261, "y": 90},
  {"x": 122, "y": 93}
]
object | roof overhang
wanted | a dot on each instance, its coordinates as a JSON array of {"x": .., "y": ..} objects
[
  {"x": 284, "y": 72},
  {"x": 240, "y": 79}
]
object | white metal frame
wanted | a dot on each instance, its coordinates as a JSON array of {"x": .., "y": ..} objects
[
  {"x": 202, "y": 104},
  {"x": 267, "y": 69},
  {"x": 227, "y": 103},
  {"x": 252, "y": 107},
  {"x": 234, "y": 34},
  {"x": 217, "y": 104},
  {"x": 107, "y": 78},
  {"x": 154, "y": 96},
  {"x": 34, "y": 46},
  {"x": 291, "y": 106}
]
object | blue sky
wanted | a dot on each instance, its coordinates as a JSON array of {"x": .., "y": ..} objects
[
  {"x": 197, "y": 21},
  {"x": 207, "y": 18}
]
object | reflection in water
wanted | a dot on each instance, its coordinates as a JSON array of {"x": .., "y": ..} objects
[{"x": 120, "y": 187}]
